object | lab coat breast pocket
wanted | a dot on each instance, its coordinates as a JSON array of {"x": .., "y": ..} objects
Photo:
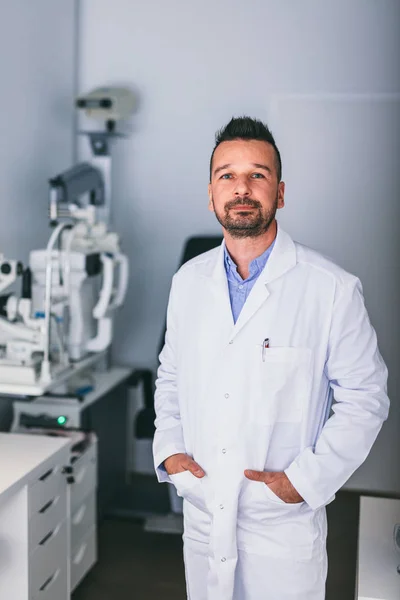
[
  {"x": 193, "y": 489},
  {"x": 285, "y": 376}
]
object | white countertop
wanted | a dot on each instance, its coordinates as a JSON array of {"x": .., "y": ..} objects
[{"x": 23, "y": 454}]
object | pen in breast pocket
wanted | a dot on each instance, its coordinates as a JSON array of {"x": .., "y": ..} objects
[{"x": 265, "y": 345}]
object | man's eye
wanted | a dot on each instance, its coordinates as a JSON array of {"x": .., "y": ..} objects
[
  {"x": 258, "y": 176},
  {"x": 226, "y": 176}
]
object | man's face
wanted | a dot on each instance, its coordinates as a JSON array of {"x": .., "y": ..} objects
[{"x": 244, "y": 191}]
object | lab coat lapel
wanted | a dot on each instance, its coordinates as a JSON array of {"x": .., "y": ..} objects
[
  {"x": 256, "y": 298},
  {"x": 282, "y": 258},
  {"x": 222, "y": 311}
]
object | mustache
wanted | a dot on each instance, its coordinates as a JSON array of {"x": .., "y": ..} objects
[{"x": 242, "y": 202}]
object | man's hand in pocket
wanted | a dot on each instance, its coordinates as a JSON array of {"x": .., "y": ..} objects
[
  {"x": 177, "y": 463},
  {"x": 279, "y": 484}
]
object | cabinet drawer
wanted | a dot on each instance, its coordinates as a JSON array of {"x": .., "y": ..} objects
[
  {"x": 50, "y": 556},
  {"x": 47, "y": 518},
  {"x": 83, "y": 519},
  {"x": 54, "y": 588},
  {"x": 48, "y": 485},
  {"x": 85, "y": 477},
  {"x": 83, "y": 558}
]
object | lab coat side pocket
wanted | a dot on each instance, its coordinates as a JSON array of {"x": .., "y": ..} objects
[
  {"x": 192, "y": 489},
  {"x": 272, "y": 497},
  {"x": 271, "y": 527}
]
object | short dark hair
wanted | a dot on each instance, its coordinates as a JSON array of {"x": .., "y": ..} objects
[{"x": 246, "y": 128}]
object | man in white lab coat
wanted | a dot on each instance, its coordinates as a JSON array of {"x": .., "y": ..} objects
[{"x": 264, "y": 337}]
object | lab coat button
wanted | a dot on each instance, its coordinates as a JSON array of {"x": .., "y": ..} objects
[
  {"x": 226, "y": 395},
  {"x": 221, "y": 506},
  {"x": 223, "y": 559},
  {"x": 231, "y": 341},
  {"x": 223, "y": 450}
]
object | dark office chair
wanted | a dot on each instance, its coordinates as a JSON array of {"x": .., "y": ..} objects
[{"x": 144, "y": 424}]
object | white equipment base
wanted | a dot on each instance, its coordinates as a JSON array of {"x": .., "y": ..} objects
[{"x": 27, "y": 375}]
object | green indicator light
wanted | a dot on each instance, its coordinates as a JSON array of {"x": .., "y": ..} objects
[{"x": 61, "y": 420}]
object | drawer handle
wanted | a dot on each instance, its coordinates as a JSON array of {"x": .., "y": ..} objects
[
  {"x": 48, "y": 505},
  {"x": 78, "y": 517},
  {"x": 80, "y": 554},
  {"x": 46, "y": 475},
  {"x": 49, "y": 581},
  {"x": 49, "y": 535}
]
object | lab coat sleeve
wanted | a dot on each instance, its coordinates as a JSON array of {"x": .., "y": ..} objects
[
  {"x": 358, "y": 378},
  {"x": 168, "y": 438}
]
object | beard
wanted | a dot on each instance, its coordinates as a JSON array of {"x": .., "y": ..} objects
[{"x": 244, "y": 224}]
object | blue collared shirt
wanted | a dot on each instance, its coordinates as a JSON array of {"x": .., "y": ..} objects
[{"x": 239, "y": 289}]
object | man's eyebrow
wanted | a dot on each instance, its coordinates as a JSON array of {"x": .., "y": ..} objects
[
  {"x": 256, "y": 165},
  {"x": 221, "y": 168},
  {"x": 265, "y": 167}
]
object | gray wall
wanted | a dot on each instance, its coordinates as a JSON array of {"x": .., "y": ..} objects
[
  {"x": 37, "y": 46},
  {"x": 325, "y": 76}
]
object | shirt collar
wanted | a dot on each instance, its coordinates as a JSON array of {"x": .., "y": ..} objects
[
  {"x": 257, "y": 264},
  {"x": 229, "y": 264}
]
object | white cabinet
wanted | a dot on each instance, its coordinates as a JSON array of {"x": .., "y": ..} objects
[
  {"x": 48, "y": 559},
  {"x": 34, "y": 518},
  {"x": 82, "y": 499},
  {"x": 47, "y": 519},
  {"x": 45, "y": 487},
  {"x": 48, "y": 525},
  {"x": 84, "y": 555},
  {"x": 83, "y": 518},
  {"x": 54, "y": 588},
  {"x": 85, "y": 475}
]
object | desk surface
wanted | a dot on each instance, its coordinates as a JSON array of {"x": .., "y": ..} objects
[{"x": 21, "y": 455}]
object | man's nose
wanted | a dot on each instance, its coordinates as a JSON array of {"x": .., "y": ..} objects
[{"x": 242, "y": 187}]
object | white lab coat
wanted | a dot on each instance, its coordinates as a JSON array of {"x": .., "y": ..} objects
[{"x": 221, "y": 403}]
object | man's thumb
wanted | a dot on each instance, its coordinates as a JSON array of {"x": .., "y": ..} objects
[
  {"x": 255, "y": 475},
  {"x": 195, "y": 469}
]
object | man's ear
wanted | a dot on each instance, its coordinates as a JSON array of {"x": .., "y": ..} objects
[
  {"x": 210, "y": 199},
  {"x": 281, "y": 194}
]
